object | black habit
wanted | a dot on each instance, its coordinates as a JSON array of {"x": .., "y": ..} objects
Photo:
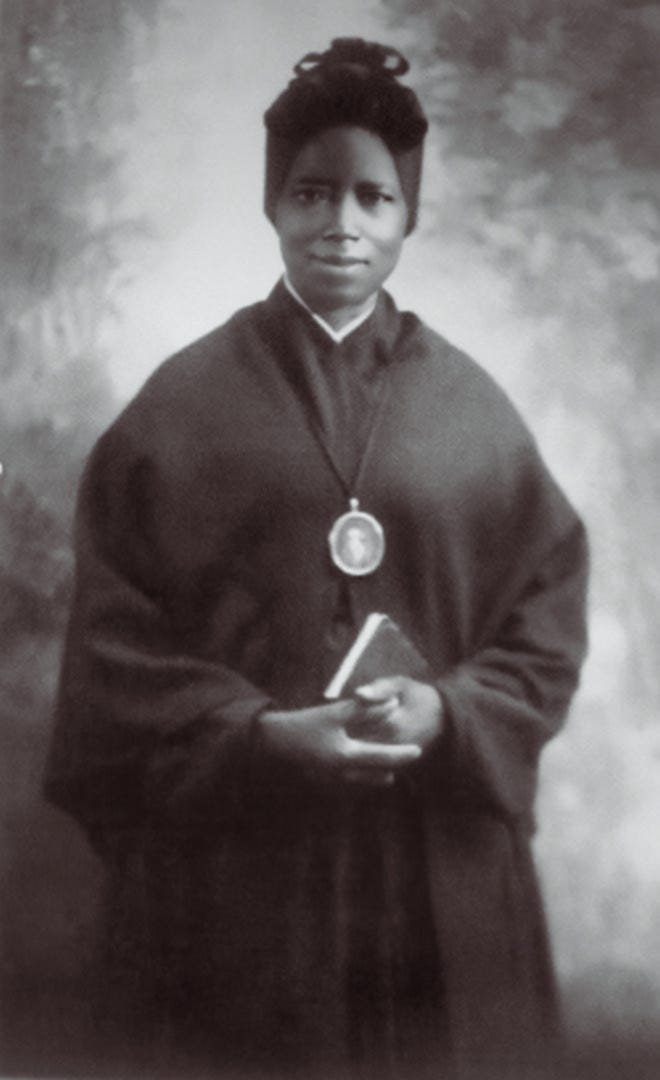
[{"x": 261, "y": 917}]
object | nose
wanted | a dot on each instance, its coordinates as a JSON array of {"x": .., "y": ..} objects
[{"x": 342, "y": 223}]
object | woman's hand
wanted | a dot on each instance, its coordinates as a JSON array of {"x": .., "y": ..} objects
[
  {"x": 397, "y": 710},
  {"x": 326, "y": 739}
]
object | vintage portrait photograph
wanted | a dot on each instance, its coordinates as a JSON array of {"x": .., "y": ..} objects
[{"x": 329, "y": 540}]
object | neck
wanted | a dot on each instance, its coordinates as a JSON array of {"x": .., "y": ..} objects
[
  {"x": 335, "y": 319},
  {"x": 338, "y": 318}
]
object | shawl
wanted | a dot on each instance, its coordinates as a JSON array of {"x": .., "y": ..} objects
[{"x": 205, "y": 593}]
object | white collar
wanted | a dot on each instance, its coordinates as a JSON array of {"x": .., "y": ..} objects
[{"x": 336, "y": 335}]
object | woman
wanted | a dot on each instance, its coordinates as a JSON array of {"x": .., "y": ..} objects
[{"x": 297, "y": 884}]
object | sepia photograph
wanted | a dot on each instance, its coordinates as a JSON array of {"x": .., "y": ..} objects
[{"x": 330, "y": 540}]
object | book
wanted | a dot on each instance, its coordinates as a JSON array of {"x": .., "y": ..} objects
[{"x": 380, "y": 648}]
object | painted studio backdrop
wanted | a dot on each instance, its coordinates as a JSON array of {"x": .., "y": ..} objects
[{"x": 131, "y": 223}]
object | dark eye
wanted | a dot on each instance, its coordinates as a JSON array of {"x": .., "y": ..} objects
[
  {"x": 375, "y": 199},
  {"x": 309, "y": 196}
]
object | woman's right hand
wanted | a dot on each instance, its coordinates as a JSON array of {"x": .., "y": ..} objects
[{"x": 317, "y": 739}]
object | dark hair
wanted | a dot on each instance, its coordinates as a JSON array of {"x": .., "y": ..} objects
[{"x": 354, "y": 82}]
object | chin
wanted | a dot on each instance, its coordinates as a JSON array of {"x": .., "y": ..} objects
[{"x": 342, "y": 297}]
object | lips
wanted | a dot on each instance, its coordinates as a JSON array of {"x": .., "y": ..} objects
[{"x": 342, "y": 261}]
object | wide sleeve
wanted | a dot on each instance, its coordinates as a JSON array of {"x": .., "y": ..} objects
[
  {"x": 504, "y": 702},
  {"x": 147, "y": 726}
]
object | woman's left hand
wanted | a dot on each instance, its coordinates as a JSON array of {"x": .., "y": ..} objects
[{"x": 398, "y": 709}]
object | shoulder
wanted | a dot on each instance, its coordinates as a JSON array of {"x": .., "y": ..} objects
[
  {"x": 454, "y": 392},
  {"x": 192, "y": 386},
  {"x": 446, "y": 372},
  {"x": 208, "y": 359}
]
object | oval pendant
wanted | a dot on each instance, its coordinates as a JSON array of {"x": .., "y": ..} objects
[{"x": 357, "y": 542}]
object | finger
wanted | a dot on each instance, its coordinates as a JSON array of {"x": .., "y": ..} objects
[
  {"x": 381, "y": 710},
  {"x": 380, "y": 726},
  {"x": 370, "y": 755},
  {"x": 339, "y": 712}
]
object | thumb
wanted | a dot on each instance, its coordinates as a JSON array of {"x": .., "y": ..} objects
[{"x": 379, "y": 690}]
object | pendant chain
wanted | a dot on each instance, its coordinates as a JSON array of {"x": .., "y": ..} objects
[{"x": 349, "y": 486}]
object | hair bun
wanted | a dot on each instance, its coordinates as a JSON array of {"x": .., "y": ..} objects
[
  {"x": 352, "y": 82},
  {"x": 355, "y": 53}
]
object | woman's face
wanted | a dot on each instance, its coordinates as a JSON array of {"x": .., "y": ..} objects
[{"x": 341, "y": 220}]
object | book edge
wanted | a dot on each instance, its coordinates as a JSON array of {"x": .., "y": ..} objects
[{"x": 369, "y": 627}]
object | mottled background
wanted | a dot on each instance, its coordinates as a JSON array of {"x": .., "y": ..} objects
[{"x": 131, "y": 222}]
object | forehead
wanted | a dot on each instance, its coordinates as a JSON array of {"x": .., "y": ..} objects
[{"x": 345, "y": 155}]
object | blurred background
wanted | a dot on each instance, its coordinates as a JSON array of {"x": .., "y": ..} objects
[{"x": 131, "y": 222}]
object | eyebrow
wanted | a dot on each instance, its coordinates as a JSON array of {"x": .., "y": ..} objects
[{"x": 325, "y": 181}]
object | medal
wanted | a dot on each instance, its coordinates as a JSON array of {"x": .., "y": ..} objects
[
  {"x": 357, "y": 542},
  {"x": 356, "y": 539}
]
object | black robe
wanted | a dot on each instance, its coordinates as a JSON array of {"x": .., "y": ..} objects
[{"x": 258, "y": 916}]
